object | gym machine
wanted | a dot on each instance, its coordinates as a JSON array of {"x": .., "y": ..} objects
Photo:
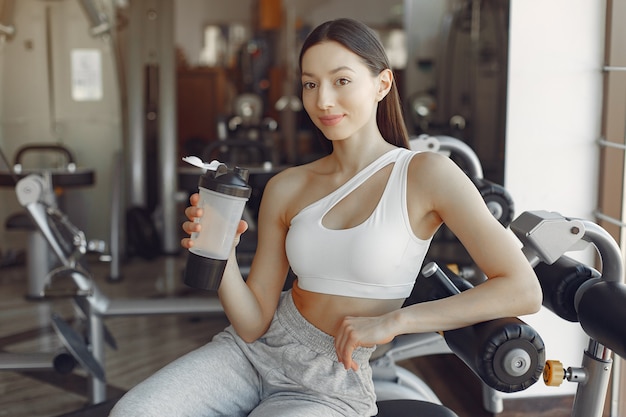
[
  {"x": 69, "y": 245},
  {"x": 572, "y": 290},
  {"x": 40, "y": 259},
  {"x": 578, "y": 293}
]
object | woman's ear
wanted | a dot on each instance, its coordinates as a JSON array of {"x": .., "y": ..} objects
[{"x": 385, "y": 81}]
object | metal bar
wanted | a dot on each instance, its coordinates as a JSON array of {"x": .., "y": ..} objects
[
  {"x": 405, "y": 347},
  {"x": 115, "y": 237},
  {"x": 50, "y": 74},
  {"x": 608, "y": 219},
  {"x": 167, "y": 127},
  {"x": 612, "y": 68},
  {"x": 39, "y": 361},
  {"x": 97, "y": 389},
  {"x": 287, "y": 114},
  {"x": 591, "y": 395},
  {"x": 612, "y": 264},
  {"x": 492, "y": 399},
  {"x": 135, "y": 148},
  {"x": 158, "y": 306},
  {"x": 615, "y": 386},
  {"x": 608, "y": 144}
]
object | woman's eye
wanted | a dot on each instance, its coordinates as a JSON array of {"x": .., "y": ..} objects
[
  {"x": 343, "y": 81},
  {"x": 308, "y": 85}
]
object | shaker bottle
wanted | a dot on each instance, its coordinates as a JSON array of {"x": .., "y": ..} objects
[{"x": 223, "y": 196}]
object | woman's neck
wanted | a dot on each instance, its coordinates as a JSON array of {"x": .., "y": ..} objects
[{"x": 351, "y": 156}]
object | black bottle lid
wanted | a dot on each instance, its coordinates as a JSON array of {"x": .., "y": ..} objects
[{"x": 227, "y": 181}]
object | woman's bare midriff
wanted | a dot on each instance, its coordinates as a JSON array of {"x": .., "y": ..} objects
[{"x": 325, "y": 311}]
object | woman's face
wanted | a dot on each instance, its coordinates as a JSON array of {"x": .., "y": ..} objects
[{"x": 339, "y": 92}]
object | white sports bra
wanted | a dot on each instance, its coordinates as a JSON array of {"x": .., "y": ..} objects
[{"x": 380, "y": 258}]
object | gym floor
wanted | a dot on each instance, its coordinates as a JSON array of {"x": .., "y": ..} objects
[{"x": 147, "y": 343}]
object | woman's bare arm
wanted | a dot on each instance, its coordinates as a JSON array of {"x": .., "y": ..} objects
[
  {"x": 250, "y": 304},
  {"x": 512, "y": 288}
]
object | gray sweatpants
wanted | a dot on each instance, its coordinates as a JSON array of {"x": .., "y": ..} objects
[{"x": 291, "y": 371}]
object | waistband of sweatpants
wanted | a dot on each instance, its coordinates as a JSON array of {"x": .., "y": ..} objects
[{"x": 317, "y": 340}]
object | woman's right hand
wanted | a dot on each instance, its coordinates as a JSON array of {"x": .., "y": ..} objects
[{"x": 190, "y": 226}]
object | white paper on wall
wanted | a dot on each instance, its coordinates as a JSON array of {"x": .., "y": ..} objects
[{"x": 86, "y": 75}]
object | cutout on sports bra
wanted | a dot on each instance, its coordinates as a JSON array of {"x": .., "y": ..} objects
[{"x": 357, "y": 206}]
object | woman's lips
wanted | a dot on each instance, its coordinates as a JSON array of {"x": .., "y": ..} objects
[{"x": 331, "y": 120}]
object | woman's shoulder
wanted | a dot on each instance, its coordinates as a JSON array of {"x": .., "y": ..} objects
[
  {"x": 432, "y": 170},
  {"x": 293, "y": 176},
  {"x": 286, "y": 191},
  {"x": 427, "y": 161},
  {"x": 290, "y": 182}
]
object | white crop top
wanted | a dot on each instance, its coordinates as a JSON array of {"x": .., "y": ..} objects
[{"x": 379, "y": 258}]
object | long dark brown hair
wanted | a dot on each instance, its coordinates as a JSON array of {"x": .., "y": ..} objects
[{"x": 363, "y": 41}]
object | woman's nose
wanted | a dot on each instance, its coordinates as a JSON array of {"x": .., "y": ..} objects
[{"x": 325, "y": 97}]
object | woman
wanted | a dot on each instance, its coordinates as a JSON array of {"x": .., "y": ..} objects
[{"x": 354, "y": 226}]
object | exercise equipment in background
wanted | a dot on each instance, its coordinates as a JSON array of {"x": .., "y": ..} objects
[
  {"x": 68, "y": 244},
  {"x": 57, "y": 175},
  {"x": 467, "y": 98}
]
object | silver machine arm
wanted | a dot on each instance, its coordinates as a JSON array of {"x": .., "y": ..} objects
[
  {"x": 31, "y": 192},
  {"x": 598, "y": 300}
]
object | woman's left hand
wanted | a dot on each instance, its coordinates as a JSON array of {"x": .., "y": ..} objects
[{"x": 356, "y": 332}]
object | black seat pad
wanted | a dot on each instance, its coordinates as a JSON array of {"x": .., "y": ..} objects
[{"x": 20, "y": 221}]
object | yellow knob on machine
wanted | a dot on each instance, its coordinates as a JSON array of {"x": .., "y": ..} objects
[{"x": 553, "y": 373}]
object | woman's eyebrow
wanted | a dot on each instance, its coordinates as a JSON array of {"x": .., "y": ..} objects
[{"x": 333, "y": 71}]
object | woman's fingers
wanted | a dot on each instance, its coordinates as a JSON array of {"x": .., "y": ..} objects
[
  {"x": 191, "y": 226},
  {"x": 354, "y": 332},
  {"x": 345, "y": 343},
  {"x": 186, "y": 243},
  {"x": 193, "y": 212},
  {"x": 242, "y": 227}
]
